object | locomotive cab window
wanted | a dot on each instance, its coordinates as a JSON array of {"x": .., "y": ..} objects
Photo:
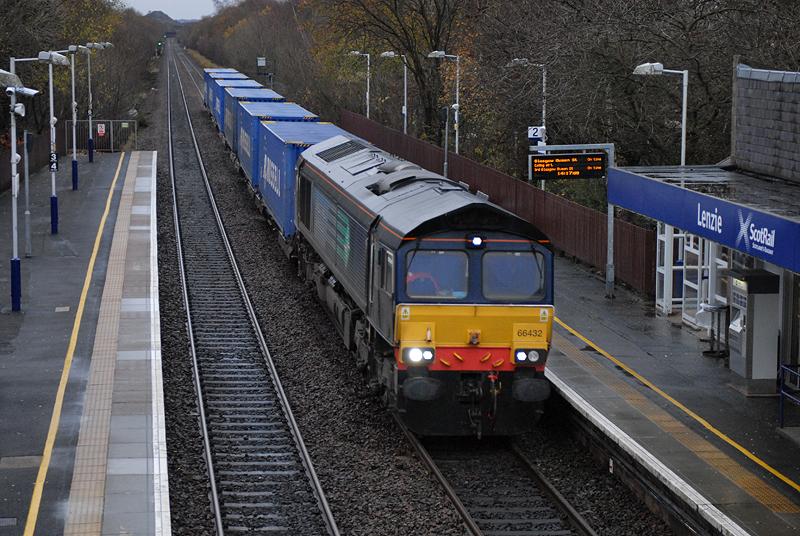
[
  {"x": 388, "y": 272},
  {"x": 434, "y": 274},
  {"x": 513, "y": 275}
]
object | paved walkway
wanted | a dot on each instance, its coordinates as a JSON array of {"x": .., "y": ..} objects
[
  {"x": 646, "y": 380},
  {"x": 46, "y": 351}
]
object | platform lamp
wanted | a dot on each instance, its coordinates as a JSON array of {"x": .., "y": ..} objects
[
  {"x": 366, "y": 55},
  {"x": 393, "y": 54},
  {"x": 52, "y": 58},
  {"x": 88, "y": 50},
  {"x": 656, "y": 69},
  {"x": 73, "y": 50},
  {"x": 524, "y": 62},
  {"x": 441, "y": 54},
  {"x": 647, "y": 69},
  {"x": 14, "y": 87}
]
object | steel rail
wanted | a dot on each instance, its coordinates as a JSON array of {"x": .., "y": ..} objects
[
  {"x": 471, "y": 526},
  {"x": 215, "y": 506},
  {"x": 577, "y": 521},
  {"x": 308, "y": 466}
]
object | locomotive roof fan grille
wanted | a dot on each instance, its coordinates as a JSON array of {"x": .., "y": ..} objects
[{"x": 340, "y": 151}]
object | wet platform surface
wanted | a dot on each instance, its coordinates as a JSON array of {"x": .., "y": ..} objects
[
  {"x": 645, "y": 382},
  {"x": 85, "y": 451}
]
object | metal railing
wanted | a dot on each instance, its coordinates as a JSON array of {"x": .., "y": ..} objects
[
  {"x": 109, "y": 135},
  {"x": 789, "y": 380}
]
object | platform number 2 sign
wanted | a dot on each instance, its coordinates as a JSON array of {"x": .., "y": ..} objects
[{"x": 53, "y": 162}]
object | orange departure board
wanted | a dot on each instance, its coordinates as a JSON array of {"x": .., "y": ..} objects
[{"x": 569, "y": 166}]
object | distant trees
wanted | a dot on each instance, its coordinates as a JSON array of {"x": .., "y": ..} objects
[
  {"x": 119, "y": 75},
  {"x": 590, "y": 48}
]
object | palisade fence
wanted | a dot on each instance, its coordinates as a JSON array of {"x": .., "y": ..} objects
[
  {"x": 38, "y": 153},
  {"x": 109, "y": 135},
  {"x": 576, "y": 230}
]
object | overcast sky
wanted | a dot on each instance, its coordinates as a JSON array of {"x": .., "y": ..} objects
[{"x": 177, "y": 9}]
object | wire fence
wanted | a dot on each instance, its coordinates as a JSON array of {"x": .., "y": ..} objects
[{"x": 110, "y": 135}]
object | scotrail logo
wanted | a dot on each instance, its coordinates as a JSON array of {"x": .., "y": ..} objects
[{"x": 758, "y": 238}]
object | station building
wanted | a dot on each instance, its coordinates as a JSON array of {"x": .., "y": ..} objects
[{"x": 729, "y": 234}]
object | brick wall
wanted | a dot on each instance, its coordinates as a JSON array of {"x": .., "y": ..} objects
[{"x": 766, "y": 137}]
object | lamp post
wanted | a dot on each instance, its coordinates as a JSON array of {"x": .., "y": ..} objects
[
  {"x": 657, "y": 69},
  {"x": 14, "y": 86},
  {"x": 648, "y": 69},
  {"x": 524, "y": 62},
  {"x": 52, "y": 58},
  {"x": 366, "y": 55},
  {"x": 73, "y": 50},
  {"x": 392, "y": 54},
  {"x": 89, "y": 48},
  {"x": 441, "y": 54}
]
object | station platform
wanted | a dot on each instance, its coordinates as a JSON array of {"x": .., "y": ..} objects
[
  {"x": 84, "y": 448},
  {"x": 645, "y": 383}
]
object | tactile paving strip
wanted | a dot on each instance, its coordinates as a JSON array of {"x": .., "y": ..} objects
[{"x": 702, "y": 448}]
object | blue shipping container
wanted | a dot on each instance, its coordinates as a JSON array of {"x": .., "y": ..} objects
[
  {"x": 281, "y": 143},
  {"x": 232, "y": 97},
  {"x": 208, "y": 74},
  {"x": 250, "y": 116},
  {"x": 218, "y": 97}
]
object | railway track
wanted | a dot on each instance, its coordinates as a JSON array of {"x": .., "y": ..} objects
[
  {"x": 497, "y": 490},
  {"x": 261, "y": 476}
]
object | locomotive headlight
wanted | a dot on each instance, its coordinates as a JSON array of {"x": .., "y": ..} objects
[
  {"x": 415, "y": 356},
  {"x": 522, "y": 356},
  {"x": 475, "y": 241}
]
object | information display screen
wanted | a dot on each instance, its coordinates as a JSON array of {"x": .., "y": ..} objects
[{"x": 569, "y": 166}]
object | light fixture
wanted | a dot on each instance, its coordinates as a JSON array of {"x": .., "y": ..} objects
[
  {"x": 437, "y": 54},
  {"x": 416, "y": 355},
  {"x": 53, "y": 58},
  {"x": 475, "y": 241},
  {"x": 649, "y": 69}
]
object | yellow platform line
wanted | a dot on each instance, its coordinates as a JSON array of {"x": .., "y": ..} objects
[
  {"x": 700, "y": 420},
  {"x": 55, "y": 419}
]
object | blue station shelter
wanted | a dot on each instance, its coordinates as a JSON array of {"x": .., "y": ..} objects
[{"x": 728, "y": 240}]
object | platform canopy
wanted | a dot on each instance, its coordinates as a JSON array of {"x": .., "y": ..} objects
[{"x": 756, "y": 215}]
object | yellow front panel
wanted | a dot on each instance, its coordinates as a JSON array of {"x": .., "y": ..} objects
[{"x": 528, "y": 326}]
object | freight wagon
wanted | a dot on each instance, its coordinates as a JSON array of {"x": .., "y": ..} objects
[
  {"x": 233, "y": 95},
  {"x": 221, "y": 73},
  {"x": 281, "y": 144},
  {"x": 217, "y": 101},
  {"x": 250, "y": 116}
]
